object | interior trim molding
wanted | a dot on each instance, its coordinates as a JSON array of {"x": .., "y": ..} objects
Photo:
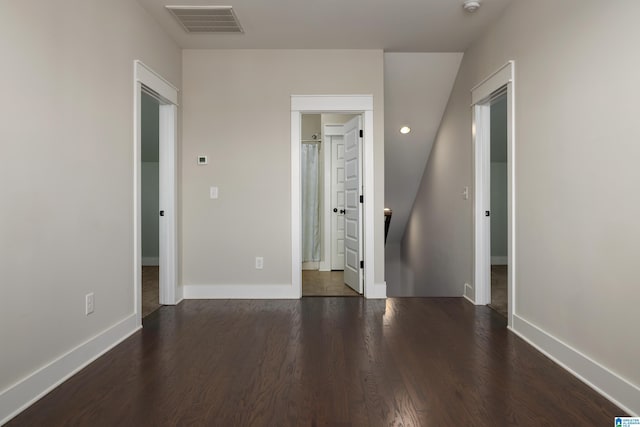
[
  {"x": 469, "y": 293},
  {"x": 351, "y": 104},
  {"x": 154, "y": 81},
  {"x": 606, "y": 382},
  {"x": 179, "y": 294},
  {"x": 145, "y": 80},
  {"x": 378, "y": 291},
  {"x": 240, "y": 291},
  {"x": 311, "y": 265},
  {"x": 27, "y": 391},
  {"x": 501, "y": 79}
]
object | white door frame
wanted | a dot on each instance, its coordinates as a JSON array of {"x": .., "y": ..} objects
[
  {"x": 481, "y": 127},
  {"x": 318, "y": 104},
  {"x": 145, "y": 79}
]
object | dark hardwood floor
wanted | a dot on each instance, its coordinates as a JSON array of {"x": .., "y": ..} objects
[
  {"x": 322, "y": 362},
  {"x": 150, "y": 289}
]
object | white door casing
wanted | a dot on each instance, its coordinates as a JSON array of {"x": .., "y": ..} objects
[
  {"x": 145, "y": 79},
  {"x": 353, "y": 207},
  {"x": 481, "y": 95},
  {"x": 337, "y": 202},
  {"x": 345, "y": 104}
]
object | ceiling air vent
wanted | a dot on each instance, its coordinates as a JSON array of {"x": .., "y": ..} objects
[{"x": 206, "y": 19}]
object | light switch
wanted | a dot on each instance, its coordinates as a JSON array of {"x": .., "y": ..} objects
[
  {"x": 213, "y": 192},
  {"x": 465, "y": 193}
]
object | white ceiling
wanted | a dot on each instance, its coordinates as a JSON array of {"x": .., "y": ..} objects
[
  {"x": 398, "y": 26},
  {"x": 416, "y": 92}
]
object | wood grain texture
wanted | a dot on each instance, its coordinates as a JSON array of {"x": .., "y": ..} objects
[
  {"x": 322, "y": 362},
  {"x": 499, "y": 289},
  {"x": 325, "y": 284},
  {"x": 150, "y": 289}
]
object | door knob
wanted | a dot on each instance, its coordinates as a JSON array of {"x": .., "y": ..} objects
[
  {"x": 161, "y": 213},
  {"x": 335, "y": 209}
]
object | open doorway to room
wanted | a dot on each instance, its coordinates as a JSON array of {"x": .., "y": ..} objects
[
  {"x": 499, "y": 212},
  {"x": 150, "y": 203},
  {"x": 331, "y": 212},
  {"x": 494, "y": 193},
  {"x": 155, "y": 192}
]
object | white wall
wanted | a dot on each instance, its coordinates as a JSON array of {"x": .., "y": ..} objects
[
  {"x": 576, "y": 112},
  {"x": 237, "y": 109},
  {"x": 311, "y": 124},
  {"x": 66, "y": 163}
]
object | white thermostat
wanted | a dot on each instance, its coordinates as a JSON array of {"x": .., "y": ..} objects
[{"x": 202, "y": 160}]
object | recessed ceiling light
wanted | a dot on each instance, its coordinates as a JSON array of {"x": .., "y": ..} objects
[{"x": 405, "y": 129}]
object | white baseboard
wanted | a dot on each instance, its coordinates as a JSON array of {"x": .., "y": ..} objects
[
  {"x": 240, "y": 292},
  {"x": 499, "y": 260},
  {"x": 468, "y": 293},
  {"x": 609, "y": 384},
  {"x": 379, "y": 291},
  {"x": 311, "y": 265},
  {"x": 27, "y": 391},
  {"x": 179, "y": 294},
  {"x": 325, "y": 266},
  {"x": 149, "y": 261}
]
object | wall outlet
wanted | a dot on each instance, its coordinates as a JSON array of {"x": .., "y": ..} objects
[
  {"x": 465, "y": 193},
  {"x": 213, "y": 192},
  {"x": 88, "y": 304},
  {"x": 259, "y": 263}
]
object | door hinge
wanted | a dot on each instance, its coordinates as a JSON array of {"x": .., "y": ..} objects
[
  {"x": 361, "y": 199},
  {"x": 361, "y": 264},
  {"x": 361, "y": 133}
]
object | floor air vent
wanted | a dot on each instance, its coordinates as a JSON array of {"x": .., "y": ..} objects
[{"x": 206, "y": 19}]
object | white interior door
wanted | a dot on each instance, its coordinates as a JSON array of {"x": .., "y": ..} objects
[
  {"x": 167, "y": 204},
  {"x": 353, "y": 207},
  {"x": 337, "y": 203}
]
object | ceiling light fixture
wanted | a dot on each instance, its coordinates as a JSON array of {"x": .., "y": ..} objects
[
  {"x": 471, "y": 5},
  {"x": 405, "y": 130}
]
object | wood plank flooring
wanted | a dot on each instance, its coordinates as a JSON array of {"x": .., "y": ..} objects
[
  {"x": 322, "y": 362},
  {"x": 499, "y": 289},
  {"x": 326, "y": 284},
  {"x": 150, "y": 289}
]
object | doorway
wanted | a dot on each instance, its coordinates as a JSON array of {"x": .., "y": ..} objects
[
  {"x": 150, "y": 203},
  {"x": 330, "y": 147},
  {"x": 498, "y": 202},
  {"x": 494, "y": 195},
  {"x": 362, "y": 196},
  {"x": 155, "y": 98}
]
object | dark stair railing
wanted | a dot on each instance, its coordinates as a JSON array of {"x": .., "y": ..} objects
[{"x": 387, "y": 220}]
